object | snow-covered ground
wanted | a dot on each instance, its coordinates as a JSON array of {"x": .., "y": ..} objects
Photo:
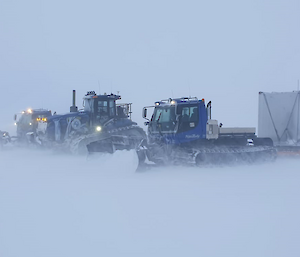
[{"x": 54, "y": 205}]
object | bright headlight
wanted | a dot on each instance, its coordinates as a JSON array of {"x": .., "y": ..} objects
[{"x": 98, "y": 128}]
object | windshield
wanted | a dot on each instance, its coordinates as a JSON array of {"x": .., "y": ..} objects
[
  {"x": 164, "y": 119},
  {"x": 104, "y": 110}
]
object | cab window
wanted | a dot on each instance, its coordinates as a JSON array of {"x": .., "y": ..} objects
[
  {"x": 189, "y": 114},
  {"x": 189, "y": 118},
  {"x": 112, "y": 110},
  {"x": 102, "y": 108}
]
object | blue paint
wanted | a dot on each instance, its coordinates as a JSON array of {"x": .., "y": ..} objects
[{"x": 178, "y": 136}]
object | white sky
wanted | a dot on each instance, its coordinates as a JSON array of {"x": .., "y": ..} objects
[{"x": 224, "y": 51}]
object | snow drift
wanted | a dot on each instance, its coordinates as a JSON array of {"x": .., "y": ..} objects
[{"x": 60, "y": 205}]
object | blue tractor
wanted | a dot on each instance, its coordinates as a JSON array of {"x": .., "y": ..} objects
[
  {"x": 181, "y": 131},
  {"x": 101, "y": 126}
]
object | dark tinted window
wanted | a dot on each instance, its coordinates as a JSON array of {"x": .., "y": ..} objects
[
  {"x": 104, "y": 110},
  {"x": 111, "y": 106},
  {"x": 189, "y": 118}
]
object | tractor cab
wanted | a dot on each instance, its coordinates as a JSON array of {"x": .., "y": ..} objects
[{"x": 103, "y": 108}]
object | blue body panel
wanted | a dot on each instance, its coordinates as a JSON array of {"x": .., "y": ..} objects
[
  {"x": 199, "y": 132},
  {"x": 118, "y": 123},
  {"x": 192, "y": 134},
  {"x": 59, "y": 124},
  {"x": 59, "y": 127}
]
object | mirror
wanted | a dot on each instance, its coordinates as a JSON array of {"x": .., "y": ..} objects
[
  {"x": 15, "y": 117},
  {"x": 145, "y": 113}
]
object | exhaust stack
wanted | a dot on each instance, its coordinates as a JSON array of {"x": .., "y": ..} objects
[{"x": 74, "y": 108}]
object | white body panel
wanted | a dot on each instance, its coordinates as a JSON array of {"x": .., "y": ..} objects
[
  {"x": 278, "y": 117},
  {"x": 212, "y": 129},
  {"x": 237, "y": 130}
]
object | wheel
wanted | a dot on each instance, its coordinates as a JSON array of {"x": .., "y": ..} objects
[{"x": 202, "y": 159}]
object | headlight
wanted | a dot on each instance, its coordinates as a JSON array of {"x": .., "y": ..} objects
[{"x": 98, "y": 128}]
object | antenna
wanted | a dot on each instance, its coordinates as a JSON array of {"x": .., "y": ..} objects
[{"x": 298, "y": 85}]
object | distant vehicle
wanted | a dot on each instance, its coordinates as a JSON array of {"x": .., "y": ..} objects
[
  {"x": 28, "y": 122},
  {"x": 279, "y": 119},
  {"x": 182, "y": 131},
  {"x": 4, "y": 138}
]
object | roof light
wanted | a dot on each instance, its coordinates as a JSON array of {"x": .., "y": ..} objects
[
  {"x": 157, "y": 103},
  {"x": 98, "y": 128},
  {"x": 173, "y": 102},
  {"x": 29, "y": 111}
]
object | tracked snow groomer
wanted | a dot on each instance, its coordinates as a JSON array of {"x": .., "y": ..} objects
[
  {"x": 101, "y": 126},
  {"x": 182, "y": 131}
]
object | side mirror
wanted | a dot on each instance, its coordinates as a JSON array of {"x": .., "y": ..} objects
[
  {"x": 145, "y": 113},
  {"x": 15, "y": 117},
  {"x": 146, "y": 123}
]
